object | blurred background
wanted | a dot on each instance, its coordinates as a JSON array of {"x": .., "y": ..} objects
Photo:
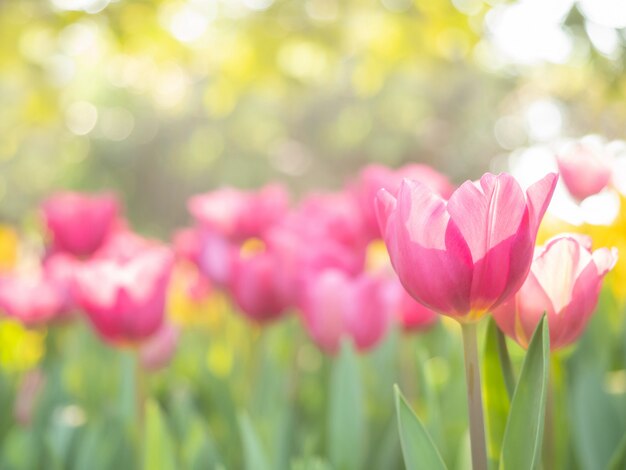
[{"x": 160, "y": 99}]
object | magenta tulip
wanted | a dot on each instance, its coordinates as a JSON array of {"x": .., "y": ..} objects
[
  {"x": 585, "y": 169},
  {"x": 79, "y": 223},
  {"x": 256, "y": 288},
  {"x": 410, "y": 314},
  {"x": 465, "y": 256},
  {"x": 564, "y": 282},
  {"x": 125, "y": 297},
  {"x": 338, "y": 307}
]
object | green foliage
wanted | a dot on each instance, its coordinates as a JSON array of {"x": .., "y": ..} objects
[
  {"x": 523, "y": 437},
  {"x": 346, "y": 437},
  {"x": 417, "y": 447}
]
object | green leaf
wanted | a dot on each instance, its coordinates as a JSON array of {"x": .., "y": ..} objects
[
  {"x": 255, "y": 457},
  {"x": 346, "y": 433},
  {"x": 158, "y": 445},
  {"x": 521, "y": 447},
  {"x": 495, "y": 395},
  {"x": 596, "y": 426},
  {"x": 618, "y": 461},
  {"x": 418, "y": 449}
]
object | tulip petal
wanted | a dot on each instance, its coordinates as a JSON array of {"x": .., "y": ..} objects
[
  {"x": 427, "y": 250},
  {"x": 539, "y": 195}
]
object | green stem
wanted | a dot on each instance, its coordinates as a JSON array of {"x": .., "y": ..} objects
[
  {"x": 505, "y": 363},
  {"x": 474, "y": 397}
]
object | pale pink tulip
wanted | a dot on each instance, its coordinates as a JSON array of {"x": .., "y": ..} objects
[
  {"x": 465, "y": 256},
  {"x": 158, "y": 350},
  {"x": 237, "y": 214},
  {"x": 79, "y": 223},
  {"x": 338, "y": 307},
  {"x": 564, "y": 282},
  {"x": 125, "y": 297},
  {"x": 375, "y": 177},
  {"x": 32, "y": 298},
  {"x": 585, "y": 169}
]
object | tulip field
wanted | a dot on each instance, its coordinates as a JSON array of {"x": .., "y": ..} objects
[{"x": 317, "y": 235}]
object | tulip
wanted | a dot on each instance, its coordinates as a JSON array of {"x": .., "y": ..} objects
[
  {"x": 158, "y": 350},
  {"x": 374, "y": 177},
  {"x": 255, "y": 286},
  {"x": 336, "y": 306},
  {"x": 238, "y": 215},
  {"x": 585, "y": 169},
  {"x": 79, "y": 223},
  {"x": 411, "y": 315},
  {"x": 32, "y": 298},
  {"x": 564, "y": 282},
  {"x": 465, "y": 256},
  {"x": 125, "y": 297}
]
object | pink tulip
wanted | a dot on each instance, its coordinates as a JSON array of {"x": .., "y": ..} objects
[
  {"x": 465, "y": 256},
  {"x": 255, "y": 286},
  {"x": 216, "y": 257},
  {"x": 158, "y": 350},
  {"x": 187, "y": 244},
  {"x": 335, "y": 307},
  {"x": 411, "y": 315},
  {"x": 238, "y": 215},
  {"x": 60, "y": 268},
  {"x": 585, "y": 169},
  {"x": 125, "y": 297},
  {"x": 374, "y": 177},
  {"x": 564, "y": 282},
  {"x": 79, "y": 223},
  {"x": 32, "y": 298}
]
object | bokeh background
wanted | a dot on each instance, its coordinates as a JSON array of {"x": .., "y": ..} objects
[{"x": 160, "y": 99}]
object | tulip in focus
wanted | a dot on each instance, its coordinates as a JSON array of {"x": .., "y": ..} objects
[
  {"x": 585, "y": 169},
  {"x": 564, "y": 282},
  {"x": 125, "y": 298},
  {"x": 465, "y": 256},
  {"x": 336, "y": 306},
  {"x": 79, "y": 223}
]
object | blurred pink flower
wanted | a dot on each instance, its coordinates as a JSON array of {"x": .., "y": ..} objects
[
  {"x": 375, "y": 177},
  {"x": 187, "y": 244},
  {"x": 237, "y": 214},
  {"x": 585, "y": 169},
  {"x": 33, "y": 298},
  {"x": 125, "y": 297},
  {"x": 79, "y": 223},
  {"x": 255, "y": 286},
  {"x": 465, "y": 256},
  {"x": 564, "y": 282},
  {"x": 158, "y": 350},
  {"x": 335, "y": 306},
  {"x": 410, "y": 314}
]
